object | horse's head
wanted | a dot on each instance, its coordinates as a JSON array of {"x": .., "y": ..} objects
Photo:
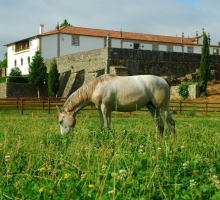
[{"x": 66, "y": 120}]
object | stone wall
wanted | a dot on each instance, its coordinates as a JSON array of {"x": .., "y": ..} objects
[
  {"x": 2, "y": 90},
  {"x": 133, "y": 62},
  {"x": 2, "y": 72},
  {"x": 90, "y": 61},
  {"x": 159, "y": 63},
  {"x": 77, "y": 69},
  {"x": 192, "y": 89},
  {"x": 13, "y": 90}
]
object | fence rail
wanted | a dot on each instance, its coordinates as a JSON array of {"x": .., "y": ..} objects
[{"x": 49, "y": 104}]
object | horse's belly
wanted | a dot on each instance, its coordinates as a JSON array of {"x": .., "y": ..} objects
[{"x": 132, "y": 106}]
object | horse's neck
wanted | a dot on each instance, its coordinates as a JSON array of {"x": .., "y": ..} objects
[
  {"x": 76, "y": 102},
  {"x": 80, "y": 106}
]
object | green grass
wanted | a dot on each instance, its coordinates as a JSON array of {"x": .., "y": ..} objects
[{"x": 127, "y": 162}]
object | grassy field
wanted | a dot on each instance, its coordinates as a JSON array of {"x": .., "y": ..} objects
[{"x": 128, "y": 162}]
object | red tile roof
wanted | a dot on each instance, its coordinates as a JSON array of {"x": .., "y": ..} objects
[{"x": 121, "y": 35}]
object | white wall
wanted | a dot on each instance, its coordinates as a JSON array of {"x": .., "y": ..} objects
[
  {"x": 85, "y": 44},
  {"x": 146, "y": 46},
  {"x": 34, "y": 46},
  {"x": 115, "y": 43},
  {"x": 49, "y": 46},
  {"x": 162, "y": 47},
  {"x": 177, "y": 48},
  {"x": 10, "y": 54},
  {"x": 197, "y": 49},
  {"x": 127, "y": 45}
]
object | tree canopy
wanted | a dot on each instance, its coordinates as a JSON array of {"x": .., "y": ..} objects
[
  {"x": 65, "y": 23},
  {"x": 53, "y": 79},
  {"x": 37, "y": 71},
  {"x": 204, "y": 70},
  {"x": 3, "y": 63}
]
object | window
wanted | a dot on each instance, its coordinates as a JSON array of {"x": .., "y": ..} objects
[
  {"x": 155, "y": 47},
  {"x": 169, "y": 48},
  {"x": 189, "y": 49},
  {"x": 21, "y": 61},
  {"x": 15, "y": 63},
  {"x": 75, "y": 41},
  {"x": 28, "y": 59},
  {"x": 216, "y": 51},
  {"x": 21, "y": 46},
  {"x": 136, "y": 46}
]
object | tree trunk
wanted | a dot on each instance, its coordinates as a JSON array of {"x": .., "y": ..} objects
[{"x": 38, "y": 91}]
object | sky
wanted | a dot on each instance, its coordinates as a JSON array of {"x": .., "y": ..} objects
[{"x": 21, "y": 19}]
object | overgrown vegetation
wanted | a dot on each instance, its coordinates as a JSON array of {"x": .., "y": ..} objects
[
  {"x": 53, "y": 79},
  {"x": 183, "y": 89},
  {"x": 127, "y": 162},
  {"x": 204, "y": 70}
]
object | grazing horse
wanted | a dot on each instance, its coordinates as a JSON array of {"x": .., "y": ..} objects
[{"x": 117, "y": 93}]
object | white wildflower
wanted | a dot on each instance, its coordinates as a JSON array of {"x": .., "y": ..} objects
[
  {"x": 185, "y": 165},
  {"x": 7, "y": 158},
  {"x": 192, "y": 183}
]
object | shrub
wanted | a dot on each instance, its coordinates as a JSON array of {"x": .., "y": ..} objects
[
  {"x": 15, "y": 72},
  {"x": 53, "y": 79},
  {"x": 18, "y": 79},
  {"x": 3, "y": 79},
  {"x": 183, "y": 89}
]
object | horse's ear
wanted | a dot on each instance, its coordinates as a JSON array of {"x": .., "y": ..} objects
[
  {"x": 58, "y": 109},
  {"x": 71, "y": 113}
]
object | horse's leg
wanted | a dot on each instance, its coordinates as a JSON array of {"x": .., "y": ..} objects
[
  {"x": 106, "y": 114},
  {"x": 155, "y": 113},
  {"x": 169, "y": 120},
  {"x": 108, "y": 117},
  {"x": 101, "y": 119}
]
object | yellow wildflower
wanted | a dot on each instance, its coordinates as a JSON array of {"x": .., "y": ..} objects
[
  {"x": 66, "y": 176},
  {"x": 42, "y": 169},
  {"x": 41, "y": 190},
  {"x": 91, "y": 185}
]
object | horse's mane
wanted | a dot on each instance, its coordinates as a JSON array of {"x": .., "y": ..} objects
[{"x": 85, "y": 92}]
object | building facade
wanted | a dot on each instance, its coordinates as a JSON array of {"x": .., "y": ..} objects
[{"x": 69, "y": 40}]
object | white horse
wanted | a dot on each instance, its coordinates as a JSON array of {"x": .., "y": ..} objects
[{"x": 117, "y": 93}]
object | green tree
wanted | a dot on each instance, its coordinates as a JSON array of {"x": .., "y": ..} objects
[
  {"x": 53, "y": 79},
  {"x": 3, "y": 63},
  {"x": 65, "y": 23},
  {"x": 204, "y": 70},
  {"x": 15, "y": 72},
  {"x": 37, "y": 71}
]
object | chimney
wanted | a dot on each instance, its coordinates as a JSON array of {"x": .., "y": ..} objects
[
  {"x": 182, "y": 37},
  {"x": 41, "y": 28}
]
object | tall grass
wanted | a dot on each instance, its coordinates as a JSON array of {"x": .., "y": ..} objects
[{"x": 126, "y": 162}]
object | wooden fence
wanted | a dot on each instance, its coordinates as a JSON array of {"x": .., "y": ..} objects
[{"x": 48, "y": 104}]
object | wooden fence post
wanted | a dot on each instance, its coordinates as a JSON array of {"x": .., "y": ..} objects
[
  {"x": 48, "y": 101},
  {"x": 206, "y": 107},
  {"x": 22, "y": 104},
  {"x": 17, "y": 103},
  {"x": 43, "y": 103},
  {"x": 180, "y": 107}
]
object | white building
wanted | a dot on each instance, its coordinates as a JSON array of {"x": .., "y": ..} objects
[{"x": 70, "y": 39}]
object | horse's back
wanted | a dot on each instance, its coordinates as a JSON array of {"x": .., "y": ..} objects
[{"x": 132, "y": 92}]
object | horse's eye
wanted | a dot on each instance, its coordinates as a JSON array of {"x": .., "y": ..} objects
[{"x": 61, "y": 121}]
